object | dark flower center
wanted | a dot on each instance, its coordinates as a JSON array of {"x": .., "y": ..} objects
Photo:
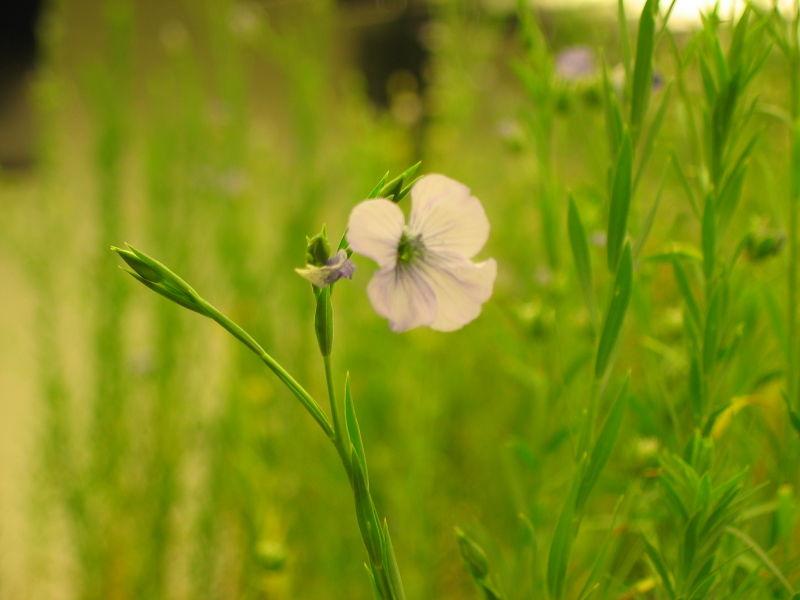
[{"x": 409, "y": 247}]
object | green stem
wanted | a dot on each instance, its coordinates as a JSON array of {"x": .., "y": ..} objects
[
  {"x": 338, "y": 440},
  {"x": 371, "y": 538},
  {"x": 300, "y": 393}
]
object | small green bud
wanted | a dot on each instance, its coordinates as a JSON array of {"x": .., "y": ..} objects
[
  {"x": 159, "y": 278},
  {"x": 473, "y": 555},
  {"x": 762, "y": 242},
  {"x": 785, "y": 513},
  {"x": 271, "y": 556},
  {"x": 318, "y": 249}
]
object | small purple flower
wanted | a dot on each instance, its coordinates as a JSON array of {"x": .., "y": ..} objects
[
  {"x": 617, "y": 77},
  {"x": 335, "y": 268},
  {"x": 576, "y": 63},
  {"x": 658, "y": 81}
]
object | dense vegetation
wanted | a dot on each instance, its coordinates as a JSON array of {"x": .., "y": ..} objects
[{"x": 622, "y": 419}]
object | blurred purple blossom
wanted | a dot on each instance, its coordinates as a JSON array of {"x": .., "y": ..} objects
[{"x": 576, "y": 63}]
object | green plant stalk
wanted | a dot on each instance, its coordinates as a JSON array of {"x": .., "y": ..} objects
[
  {"x": 372, "y": 538},
  {"x": 299, "y": 392},
  {"x": 375, "y": 535}
]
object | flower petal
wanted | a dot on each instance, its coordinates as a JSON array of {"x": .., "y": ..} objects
[
  {"x": 338, "y": 267},
  {"x": 374, "y": 230},
  {"x": 461, "y": 287},
  {"x": 449, "y": 218},
  {"x": 403, "y": 297}
]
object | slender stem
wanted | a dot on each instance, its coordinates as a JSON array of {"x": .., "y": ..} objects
[
  {"x": 338, "y": 440},
  {"x": 300, "y": 393},
  {"x": 371, "y": 538}
]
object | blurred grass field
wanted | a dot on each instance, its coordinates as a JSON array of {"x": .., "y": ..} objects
[{"x": 146, "y": 455}]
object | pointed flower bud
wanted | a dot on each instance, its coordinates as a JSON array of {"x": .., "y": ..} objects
[
  {"x": 473, "y": 555},
  {"x": 318, "y": 249},
  {"x": 159, "y": 278},
  {"x": 763, "y": 242}
]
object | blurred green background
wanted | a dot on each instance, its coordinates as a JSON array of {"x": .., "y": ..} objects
[{"x": 145, "y": 455}]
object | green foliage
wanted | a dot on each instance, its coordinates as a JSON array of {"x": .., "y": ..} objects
[{"x": 622, "y": 424}]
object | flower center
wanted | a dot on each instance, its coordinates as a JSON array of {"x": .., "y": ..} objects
[{"x": 409, "y": 247}]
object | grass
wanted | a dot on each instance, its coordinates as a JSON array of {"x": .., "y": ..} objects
[{"x": 620, "y": 422}]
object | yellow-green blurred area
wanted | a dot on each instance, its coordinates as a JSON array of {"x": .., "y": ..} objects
[{"x": 146, "y": 455}]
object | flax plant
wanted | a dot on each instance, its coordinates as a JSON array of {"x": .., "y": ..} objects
[
  {"x": 340, "y": 426},
  {"x": 631, "y": 127}
]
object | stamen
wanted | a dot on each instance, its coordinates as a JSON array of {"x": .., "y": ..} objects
[{"x": 409, "y": 247}]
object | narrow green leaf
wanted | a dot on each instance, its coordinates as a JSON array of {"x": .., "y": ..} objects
[
  {"x": 643, "y": 67},
  {"x": 650, "y": 136},
  {"x": 762, "y": 556},
  {"x": 368, "y": 521},
  {"x": 603, "y": 447},
  {"x": 711, "y": 335},
  {"x": 619, "y": 205},
  {"x": 613, "y": 114},
  {"x": 624, "y": 39},
  {"x": 684, "y": 181},
  {"x": 353, "y": 429},
  {"x": 561, "y": 544},
  {"x": 685, "y": 290},
  {"x": 376, "y": 593},
  {"x": 696, "y": 387},
  {"x": 709, "y": 235},
  {"x": 390, "y": 563},
  {"x": 615, "y": 315},
  {"x": 375, "y": 191},
  {"x": 688, "y": 550},
  {"x": 660, "y": 568},
  {"x": 649, "y": 220},
  {"x": 580, "y": 253}
]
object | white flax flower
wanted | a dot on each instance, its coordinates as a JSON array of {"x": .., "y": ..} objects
[{"x": 426, "y": 274}]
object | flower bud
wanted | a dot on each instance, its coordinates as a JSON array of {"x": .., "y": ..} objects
[
  {"x": 318, "y": 249},
  {"x": 271, "y": 556},
  {"x": 762, "y": 243},
  {"x": 159, "y": 278},
  {"x": 473, "y": 555}
]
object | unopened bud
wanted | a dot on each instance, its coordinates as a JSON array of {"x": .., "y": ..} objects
[{"x": 473, "y": 555}]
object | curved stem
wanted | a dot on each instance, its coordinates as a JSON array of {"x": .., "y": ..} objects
[
  {"x": 338, "y": 440},
  {"x": 290, "y": 382}
]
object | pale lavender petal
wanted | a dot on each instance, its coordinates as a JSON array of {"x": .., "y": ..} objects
[
  {"x": 374, "y": 230},
  {"x": 403, "y": 297},
  {"x": 337, "y": 267},
  {"x": 461, "y": 288},
  {"x": 447, "y": 216}
]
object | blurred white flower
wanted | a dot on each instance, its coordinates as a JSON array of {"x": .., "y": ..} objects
[{"x": 426, "y": 274}]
